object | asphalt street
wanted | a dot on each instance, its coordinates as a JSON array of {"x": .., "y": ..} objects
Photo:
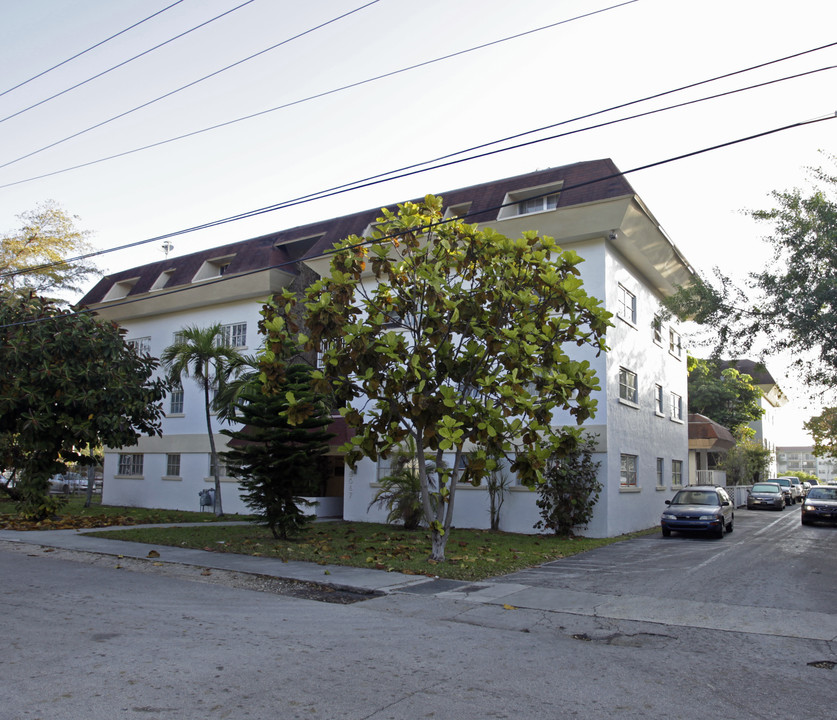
[{"x": 682, "y": 627}]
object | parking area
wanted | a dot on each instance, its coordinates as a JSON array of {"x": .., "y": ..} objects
[{"x": 771, "y": 560}]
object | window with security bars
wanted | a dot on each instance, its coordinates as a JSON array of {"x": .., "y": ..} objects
[
  {"x": 676, "y": 472},
  {"x": 130, "y": 464},
  {"x": 222, "y": 468},
  {"x": 176, "y": 401},
  {"x": 173, "y": 465},
  {"x": 626, "y": 304},
  {"x": 676, "y": 407},
  {"x": 627, "y": 472},
  {"x": 234, "y": 335},
  {"x": 628, "y": 386},
  {"x": 141, "y": 346},
  {"x": 660, "y": 469}
]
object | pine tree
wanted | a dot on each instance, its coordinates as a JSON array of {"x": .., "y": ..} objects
[{"x": 277, "y": 456}]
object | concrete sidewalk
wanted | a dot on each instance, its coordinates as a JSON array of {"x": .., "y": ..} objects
[{"x": 641, "y": 608}]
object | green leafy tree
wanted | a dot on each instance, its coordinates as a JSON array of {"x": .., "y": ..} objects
[
  {"x": 724, "y": 395},
  {"x": 570, "y": 491},
  {"x": 823, "y": 429},
  {"x": 746, "y": 462},
  {"x": 790, "y": 305},
  {"x": 202, "y": 354},
  {"x": 67, "y": 382},
  {"x": 45, "y": 253},
  {"x": 458, "y": 338},
  {"x": 278, "y": 461}
]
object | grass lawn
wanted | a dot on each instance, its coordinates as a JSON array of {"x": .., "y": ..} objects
[{"x": 471, "y": 554}]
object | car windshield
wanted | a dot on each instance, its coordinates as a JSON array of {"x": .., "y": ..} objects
[
  {"x": 783, "y": 482},
  {"x": 695, "y": 497},
  {"x": 822, "y": 493},
  {"x": 766, "y": 488}
]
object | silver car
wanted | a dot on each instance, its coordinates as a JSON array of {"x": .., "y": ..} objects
[{"x": 766, "y": 495}]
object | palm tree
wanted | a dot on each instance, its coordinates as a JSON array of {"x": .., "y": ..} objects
[{"x": 202, "y": 354}]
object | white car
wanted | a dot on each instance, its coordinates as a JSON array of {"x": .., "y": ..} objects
[
  {"x": 796, "y": 488},
  {"x": 67, "y": 483}
]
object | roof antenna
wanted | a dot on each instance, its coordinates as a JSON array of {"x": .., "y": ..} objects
[{"x": 167, "y": 248}]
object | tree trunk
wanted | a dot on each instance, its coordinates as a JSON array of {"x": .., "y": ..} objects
[
  {"x": 91, "y": 481},
  {"x": 214, "y": 455},
  {"x": 437, "y": 545}
]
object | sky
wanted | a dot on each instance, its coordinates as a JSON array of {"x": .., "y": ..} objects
[{"x": 322, "y": 120}]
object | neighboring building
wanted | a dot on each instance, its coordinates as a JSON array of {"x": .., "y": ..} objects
[
  {"x": 772, "y": 398},
  {"x": 708, "y": 443},
  {"x": 791, "y": 459},
  {"x": 630, "y": 264}
]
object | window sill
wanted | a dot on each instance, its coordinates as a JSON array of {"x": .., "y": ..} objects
[
  {"x": 659, "y": 414},
  {"x": 129, "y": 477},
  {"x": 171, "y": 477},
  {"x": 660, "y": 488},
  {"x": 675, "y": 355},
  {"x": 627, "y": 321},
  {"x": 175, "y": 415},
  {"x": 629, "y": 489},
  {"x": 224, "y": 479},
  {"x": 676, "y": 420},
  {"x": 629, "y": 404}
]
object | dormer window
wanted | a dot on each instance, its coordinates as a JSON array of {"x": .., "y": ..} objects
[
  {"x": 529, "y": 201},
  {"x": 214, "y": 268},
  {"x": 120, "y": 289},
  {"x": 537, "y": 204},
  {"x": 162, "y": 280},
  {"x": 460, "y": 210}
]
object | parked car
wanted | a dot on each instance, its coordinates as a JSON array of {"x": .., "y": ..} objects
[
  {"x": 700, "y": 508},
  {"x": 67, "y": 483},
  {"x": 796, "y": 487},
  {"x": 767, "y": 495},
  {"x": 806, "y": 486},
  {"x": 821, "y": 504},
  {"x": 787, "y": 489}
]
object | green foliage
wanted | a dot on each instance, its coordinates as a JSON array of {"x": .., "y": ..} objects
[
  {"x": 790, "y": 305},
  {"x": 823, "y": 429},
  {"x": 400, "y": 492},
  {"x": 67, "y": 382},
  {"x": 276, "y": 458},
  {"x": 201, "y": 354},
  {"x": 454, "y": 336},
  {"x": 32, "y": 257},
  {"x": 571, "y": 490},
  {"x": 746, "y": 462},
  {"x": 724, "y": 395},
  {"x": 805, "y": 476}
]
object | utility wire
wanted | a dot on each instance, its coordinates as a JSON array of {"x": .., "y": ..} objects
[
  {"x": 316, "y": 96},
  {"x": 92, "y": 47},
  {"x": 412, "y": 67},
  {"x": 411, "y": 169},
  {"x": 191, "y": 84},
  {"x": 125, "y": 62},
  {"x": 370, "y": 241}
]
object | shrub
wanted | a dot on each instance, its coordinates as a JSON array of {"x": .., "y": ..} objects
[{"x": 570, "y": 490}]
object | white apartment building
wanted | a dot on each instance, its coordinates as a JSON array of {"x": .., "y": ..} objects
[
  {"x": 630, "y": 264},
  {"x": 791, "y": 459}
]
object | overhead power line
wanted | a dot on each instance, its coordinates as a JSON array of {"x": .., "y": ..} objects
[
  {"x": 125, "y": 62},
  {"x": 309, "y": 98},
  {"x": 191, "y": 84},
  {"x": 658, "y": 163},
  {"x": 370, "y": 241},
  {"x": 413, "y": 67},
  {"x": 92, "y": 47}
]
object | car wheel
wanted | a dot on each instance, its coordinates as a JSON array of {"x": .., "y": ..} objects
[
  {"x": 731, "y": 523},
  {"x": 781, "y": 507},
  {"x": 65, "y": 489},
  {"x": 805, "y": 522},
  {"x": 666, "y": 532},
  {"x": 719, "y": 533}
]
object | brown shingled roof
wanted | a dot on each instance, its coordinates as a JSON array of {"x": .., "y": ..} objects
[{"x": 583, "y": 182}]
